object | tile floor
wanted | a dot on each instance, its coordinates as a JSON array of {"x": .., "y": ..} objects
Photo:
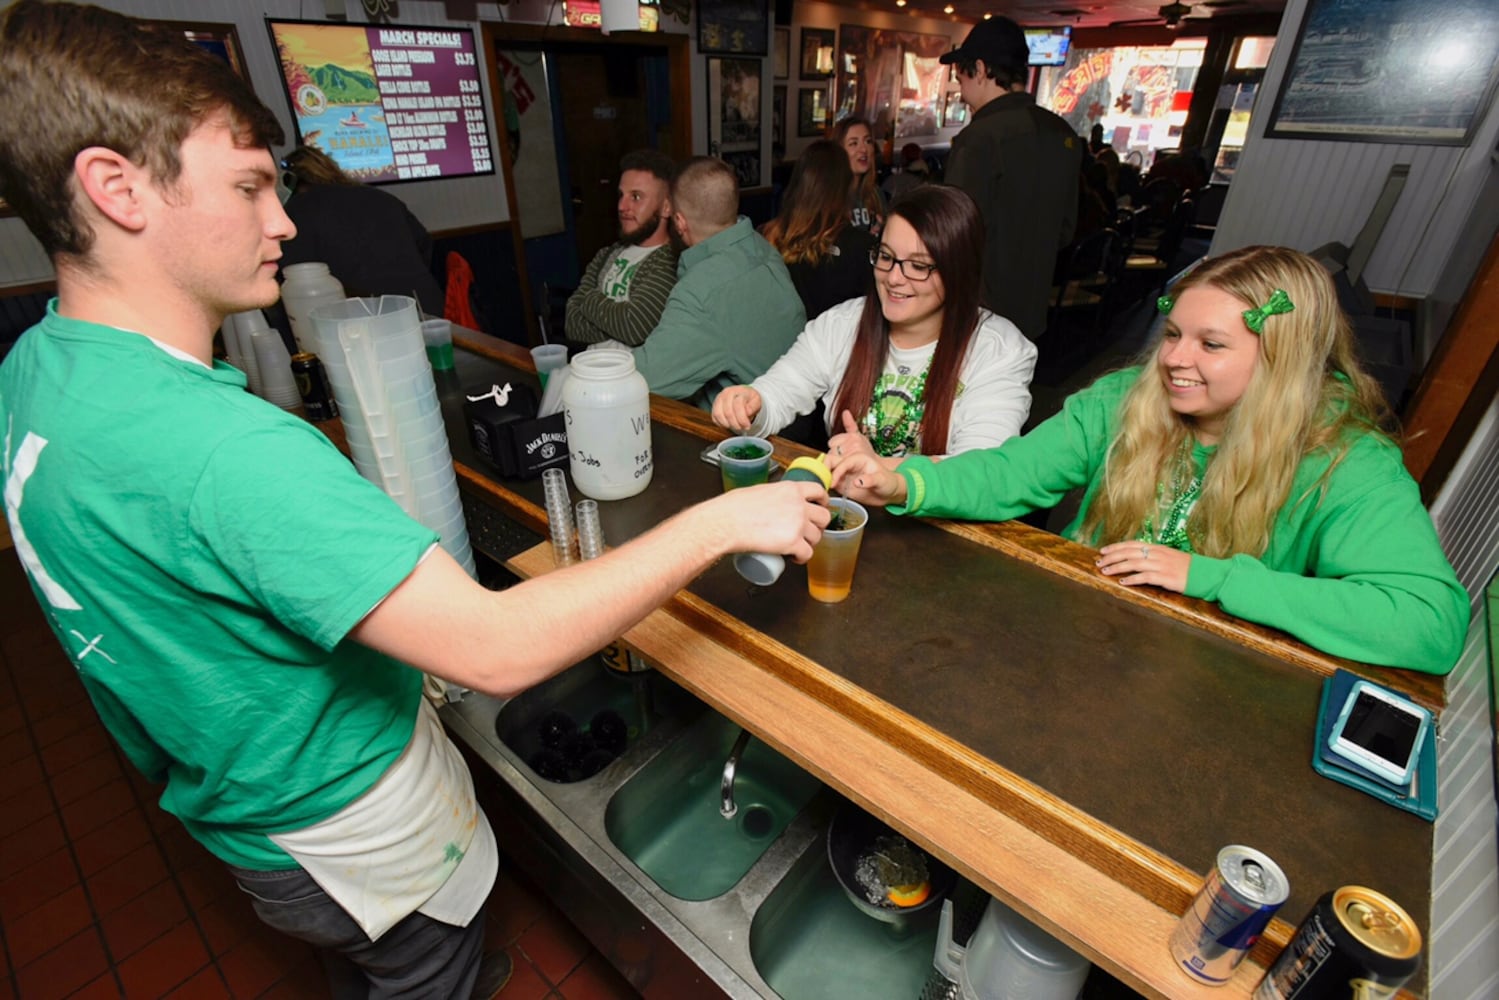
[{"x": 103, "y": 895}]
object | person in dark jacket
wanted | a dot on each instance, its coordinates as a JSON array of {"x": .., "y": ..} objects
[
  {"x": 1020, "y": 164},
  {"x": 368, "y": 237}
]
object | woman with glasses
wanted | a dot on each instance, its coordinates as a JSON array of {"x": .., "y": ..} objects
[
  {"x": 917, "y": 367},
  {"x": 827, "y": 257}
]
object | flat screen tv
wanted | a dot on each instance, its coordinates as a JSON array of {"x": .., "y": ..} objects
[
  {"x": 387, "y": 103},
  {"x": 1048, "y": 45}
]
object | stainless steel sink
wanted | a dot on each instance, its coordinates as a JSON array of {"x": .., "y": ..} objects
[
  {"x": 809, "y": 942},
  {"x": 667, "y": 818},
  {"x": 575, "y": 724}
]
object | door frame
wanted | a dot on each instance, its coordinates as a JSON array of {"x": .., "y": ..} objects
[{"x": 501, "y": 35}]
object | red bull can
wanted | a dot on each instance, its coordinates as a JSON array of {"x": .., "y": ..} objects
[{"x": 1232, "y": 909}]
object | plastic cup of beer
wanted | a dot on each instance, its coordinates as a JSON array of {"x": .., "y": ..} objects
[
  {"x": 548, "y": 358},
  {"x": 744, "y": 461},
  {"x": 438, "y": 335},
  {"x": 830, "y": 573}
]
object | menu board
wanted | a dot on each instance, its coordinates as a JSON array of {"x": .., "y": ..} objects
[{"x": 386, "y": 103}]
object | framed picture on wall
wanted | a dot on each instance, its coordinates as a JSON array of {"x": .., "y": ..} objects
[
  {"x": 956, "y": 110},
  {"x": 1382, "y": 73},
  {"x": 778, "y": 121},
  {"x": 812, "y": 111},
  {"x": 783, "y": 53},
  {"x": 733, "y": 106},
  {"x": 746, "y": 166},
  {"x": 735, "y": 27},
  {"x": 817, "y": 53}
]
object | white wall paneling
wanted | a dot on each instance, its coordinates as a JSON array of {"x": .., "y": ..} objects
[{"x": 1303, "y": 193}]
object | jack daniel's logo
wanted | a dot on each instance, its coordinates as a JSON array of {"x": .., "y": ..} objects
[{"x": 547, "y": 443}]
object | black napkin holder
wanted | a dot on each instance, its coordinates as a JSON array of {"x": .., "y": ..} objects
[{"x": 504, "y": 428}]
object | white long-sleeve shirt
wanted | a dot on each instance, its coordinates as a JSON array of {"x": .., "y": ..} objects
[{"x": 993, "y": 396}]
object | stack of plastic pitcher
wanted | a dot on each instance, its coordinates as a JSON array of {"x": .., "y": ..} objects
[{"x": 376, "y": 360}]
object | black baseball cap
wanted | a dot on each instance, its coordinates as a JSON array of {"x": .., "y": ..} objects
[{"x": 998, "y": 41}]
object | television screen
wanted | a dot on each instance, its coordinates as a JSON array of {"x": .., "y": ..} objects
[
  {"x": 1048, "y": 45},
  {"x": 388, "y": 104}
]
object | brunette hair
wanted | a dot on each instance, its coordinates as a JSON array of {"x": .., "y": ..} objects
[
  {"x": 950, "y": 226},
  {"x": 815, "y": 208},
  {"x": 1307, "y": 393},
  {"x": 652, "y": 161},
  {"x": 94, "y": 77},
  {"x": 310, "y": 165},
  {"x": 864, "y": 192}
]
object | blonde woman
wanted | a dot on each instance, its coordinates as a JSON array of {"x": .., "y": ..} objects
[{"x": 1241, "y": 462}]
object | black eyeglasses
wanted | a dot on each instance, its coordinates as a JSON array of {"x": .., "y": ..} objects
[{"x": 914, "y": 270}]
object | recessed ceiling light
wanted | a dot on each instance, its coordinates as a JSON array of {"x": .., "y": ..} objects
[
  {"x": 900, "y": 3},
  {"x": 987, "y": 16},
  {"x": 947, "y": 9}
]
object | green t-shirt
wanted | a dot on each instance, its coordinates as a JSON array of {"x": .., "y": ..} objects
[
  {"x": 201, "y": 556},
  {"x": 1355, "y": 570}
]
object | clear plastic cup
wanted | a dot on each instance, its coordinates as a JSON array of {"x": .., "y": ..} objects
[
  {"x": 830, "y": 572},
  {"x": 548, "y": 358},
  {"x": 744, "y": 461},
  {"x": 438, "y": 336}
]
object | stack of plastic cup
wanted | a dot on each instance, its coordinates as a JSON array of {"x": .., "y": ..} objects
[
  {"x": 277, "y": 383},
  {"x": 240, "y": 348},
  {"x": 559, "y": 516},
  {"x": 376, "y": 361},
  {"x": 590, "y": 532}
]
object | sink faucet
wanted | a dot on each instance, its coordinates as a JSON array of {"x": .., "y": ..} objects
[{"x": 728, "y": 808}]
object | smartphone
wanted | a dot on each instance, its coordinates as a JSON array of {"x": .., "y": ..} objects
[{"x": 1379, "y": 730}]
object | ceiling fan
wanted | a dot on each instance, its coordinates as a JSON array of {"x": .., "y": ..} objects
[{"x": 1171, "y": 15}]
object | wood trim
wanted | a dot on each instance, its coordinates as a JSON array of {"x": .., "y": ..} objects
[
  {"x": 487, "y": 227},
  {"x": 29, "y": 288},
  {"x": 507, "y": 170},
  {"x": 1459, "y": 383}
]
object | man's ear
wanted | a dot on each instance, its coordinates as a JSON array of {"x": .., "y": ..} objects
[
  {"x": 980, "y": 71},
  {"x": 113, "y": 185}
]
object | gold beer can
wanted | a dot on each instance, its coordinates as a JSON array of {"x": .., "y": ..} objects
[{"x": 1354, "y": 943}]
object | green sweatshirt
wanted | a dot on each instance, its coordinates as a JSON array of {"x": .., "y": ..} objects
[{"x": 1359, "y": 573}]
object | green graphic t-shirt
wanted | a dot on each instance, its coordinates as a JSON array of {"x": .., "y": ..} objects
[{"x": 617, "y": 273}]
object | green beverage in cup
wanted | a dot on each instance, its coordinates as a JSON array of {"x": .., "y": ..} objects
[{"x": 744, "y": 461}]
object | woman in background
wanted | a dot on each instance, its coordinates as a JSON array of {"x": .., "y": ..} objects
[
  {"x": 1242, "y": 461},
  {"x": 867, "y": 204},
  {"x": 827, "y": 256},
  {"x": 368, "y": 237},
  {"x": 916, "y": 367}
]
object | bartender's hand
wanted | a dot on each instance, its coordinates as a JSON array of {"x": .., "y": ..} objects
[
  {"x": 1134, "y": 563},
  {"x": 736, "y": 408},
  {"x": 786, "y": 518}
]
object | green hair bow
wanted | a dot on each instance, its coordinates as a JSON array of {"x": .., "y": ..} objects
[{"x": 1279, "y": 302}]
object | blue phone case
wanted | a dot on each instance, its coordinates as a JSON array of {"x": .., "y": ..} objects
[{"x": 1421, "y": 800}]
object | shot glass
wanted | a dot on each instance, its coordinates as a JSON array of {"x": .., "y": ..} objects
[
  {"x": 830, "y": 572},
  {"x": 438, "y": 335},
  {"x": 744, "y": 461},
  {"x": 548, "y": 358}
]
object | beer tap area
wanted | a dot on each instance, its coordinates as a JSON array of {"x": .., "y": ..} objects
[{"x": 997, "y": 721}]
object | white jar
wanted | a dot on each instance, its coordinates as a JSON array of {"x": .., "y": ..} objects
[
  {"x": 608, "y": 414},
  {"x": 307, "y": 286}
]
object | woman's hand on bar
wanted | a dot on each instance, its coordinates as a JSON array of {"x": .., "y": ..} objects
[{"x": 736, "y": 408}]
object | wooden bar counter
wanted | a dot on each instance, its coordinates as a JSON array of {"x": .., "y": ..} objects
[{"x": 1077, "y": 748}]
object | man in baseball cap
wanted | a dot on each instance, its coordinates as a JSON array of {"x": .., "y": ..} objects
[{"x": 1020, "y": 164}]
